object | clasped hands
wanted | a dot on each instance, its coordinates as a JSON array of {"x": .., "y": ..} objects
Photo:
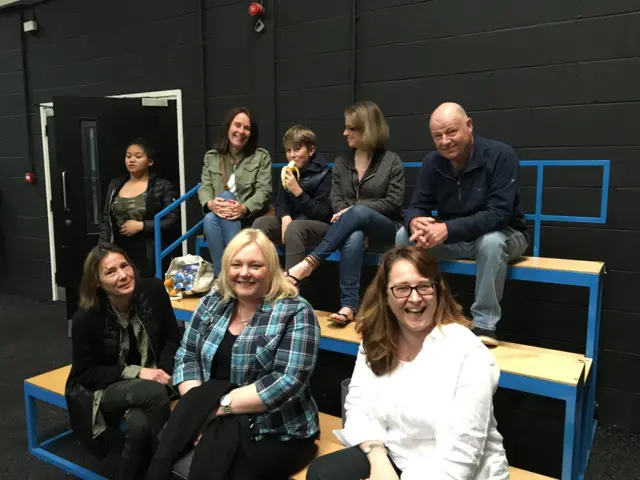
[
  {"x": 227, "y": 209},
  {"x": 427, "y": 232}
]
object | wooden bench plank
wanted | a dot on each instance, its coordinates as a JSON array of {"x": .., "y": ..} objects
[
  {"x": 542, "y": 363},
  {"x": 560, "y": 265},
  {"x": 538, "y": 263},
  {"x": 518, "y": 474},
  {"x": 587, "y": 368},
  {"x": 534, "y": 362},
  {"x": 188, "y": 304},
  {"x": 53, "y": 381},
  {"x": 328, "y": 443},
  {"x": 554, "y": 264}
]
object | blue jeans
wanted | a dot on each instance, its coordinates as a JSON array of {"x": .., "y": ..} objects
[
  {"x": 492, "y": 253},
  {"x": 347, "y": 234},
  {"x": 219, "y": 232}
]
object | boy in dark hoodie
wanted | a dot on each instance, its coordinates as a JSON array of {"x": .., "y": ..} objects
[{"x": 302, "y": 205}]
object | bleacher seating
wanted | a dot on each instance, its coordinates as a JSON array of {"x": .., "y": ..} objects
[
  {"x": 49, "y": 387},
  {"x": 551, "y": 373},
  {"x": 526, "y": 368}
]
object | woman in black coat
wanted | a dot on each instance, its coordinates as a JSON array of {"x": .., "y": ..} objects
[
  {"x": 132, "y": 202},
  {"x": 124, "y": 340}
]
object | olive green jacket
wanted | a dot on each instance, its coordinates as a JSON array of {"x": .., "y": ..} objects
[{"x": 253, "y": 179}]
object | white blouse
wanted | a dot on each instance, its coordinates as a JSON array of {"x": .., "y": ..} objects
[{"x": 434, "y": 414}]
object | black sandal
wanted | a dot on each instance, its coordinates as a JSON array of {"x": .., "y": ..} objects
[
  {"x": 294, "y": 280},
  {"x": 347, "y": 320}
]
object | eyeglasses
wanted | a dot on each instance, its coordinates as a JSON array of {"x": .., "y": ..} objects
[{"x": 404, "y": 291}]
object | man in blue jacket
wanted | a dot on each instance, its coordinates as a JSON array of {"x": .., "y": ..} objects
[{"x": 472, "y": 182}]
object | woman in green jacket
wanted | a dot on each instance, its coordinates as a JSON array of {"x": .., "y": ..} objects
[{"x": 236, "y": 182}]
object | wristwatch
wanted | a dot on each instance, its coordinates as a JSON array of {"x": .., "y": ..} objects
[
  {"x": 225, "y": 403},
  {"x": 367, "y": 450}
]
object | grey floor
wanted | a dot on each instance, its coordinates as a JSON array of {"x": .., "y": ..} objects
[{"x": 34, "y": 339}]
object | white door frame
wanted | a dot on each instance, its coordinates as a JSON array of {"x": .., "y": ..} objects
[{"x": 46, "y": 109}]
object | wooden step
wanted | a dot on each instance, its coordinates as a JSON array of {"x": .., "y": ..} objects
[
  {"x": 518, "y": 474},
  {"x": 536, "y": 263},
  {"x": 187, "y": 304},
  {"x": 523, "y": 360},
  {"x": 329, "y": 444},
  {"x": 53, "y": 381},
  {"x": 552, "y": 264},
  {"x": 541, "y": 363}
]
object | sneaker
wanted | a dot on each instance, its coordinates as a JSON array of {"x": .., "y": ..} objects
[{"x": 488, "y": 337}]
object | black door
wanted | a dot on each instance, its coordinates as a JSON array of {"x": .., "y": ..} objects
[{"x": 91, "y": 137}]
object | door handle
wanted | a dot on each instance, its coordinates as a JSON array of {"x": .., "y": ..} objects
[{"x": 64, "y": 191}]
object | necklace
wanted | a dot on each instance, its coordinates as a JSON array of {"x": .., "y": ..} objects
[{"x": 242, "y": 312}]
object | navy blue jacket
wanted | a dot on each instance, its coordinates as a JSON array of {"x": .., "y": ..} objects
[
  {"x": 483, "y": 198},
  {"x": 313, "y": 202}
]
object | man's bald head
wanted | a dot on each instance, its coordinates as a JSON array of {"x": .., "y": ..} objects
[
  {"x": 452, "y": 132},
  {"x": 448, "y": 111}
]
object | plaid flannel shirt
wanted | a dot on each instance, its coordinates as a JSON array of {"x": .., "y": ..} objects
[{"x": 277, "y": 351}]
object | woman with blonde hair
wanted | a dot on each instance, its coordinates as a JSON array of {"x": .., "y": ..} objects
[
  {"x": 367, "y": 192},
  {"x": 254, "y": 331},
  {"x": 420, "y": 398}
]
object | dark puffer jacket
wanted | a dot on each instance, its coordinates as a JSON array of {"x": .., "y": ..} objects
[
  {"x": 96, "y": 343},
  {"x": 160, "y": 194}
]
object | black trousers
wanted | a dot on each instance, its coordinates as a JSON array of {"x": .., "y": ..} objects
[
  {"x": 348, "y": 464},
  {"x": 300, "y": 235},
  {"x": 268, "y": 459},
  {"x": 144, "y": 405},
  {"x": 273, "y": 459}
]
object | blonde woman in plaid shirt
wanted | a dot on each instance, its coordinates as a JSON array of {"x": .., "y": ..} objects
[{"x": 255, "y": 331}]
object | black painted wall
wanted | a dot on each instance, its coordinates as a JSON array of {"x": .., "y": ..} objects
[{"x": 557, "y": 80}]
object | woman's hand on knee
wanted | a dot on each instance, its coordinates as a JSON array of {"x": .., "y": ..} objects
[
  {"x": 155, "y": 375},
  {"x": 336, "y": 216}
]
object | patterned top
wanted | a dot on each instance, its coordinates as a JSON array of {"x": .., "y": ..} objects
[
  {"x": 277, "y": 351},
  {"x": 132, "y": 208},
  {"x": 147, "y": 360}
]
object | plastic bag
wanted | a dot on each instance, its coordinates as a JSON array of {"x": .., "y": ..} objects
[{"x": 189, "y": 275}]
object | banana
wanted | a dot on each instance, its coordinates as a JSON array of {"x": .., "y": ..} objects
[{"x": 291, "y": 167}]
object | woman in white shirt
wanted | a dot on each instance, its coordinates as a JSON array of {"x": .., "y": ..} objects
[{"x": 420, "y": 400}]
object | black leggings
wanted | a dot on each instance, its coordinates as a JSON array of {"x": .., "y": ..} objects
[
  {"x": 348, "y": 464},
  {"x": 144, "y": 405}
]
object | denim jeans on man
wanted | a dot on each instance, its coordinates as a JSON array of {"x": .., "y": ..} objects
[
  {"x": 348, "y": 235},
  {"x": 492, "y": 253},
  {"x": 219, "y": 232}
]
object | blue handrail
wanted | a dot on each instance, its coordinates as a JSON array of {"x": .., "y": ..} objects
[
  {"x": 160, "y": 254},
  {"x": 538, "y": 217}
]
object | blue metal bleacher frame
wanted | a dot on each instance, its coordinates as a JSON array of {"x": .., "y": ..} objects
[
  {"x": 37, "y": 448},
  {"x": 579, "y": 421},
  {"x": 580, "y": 424}
]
